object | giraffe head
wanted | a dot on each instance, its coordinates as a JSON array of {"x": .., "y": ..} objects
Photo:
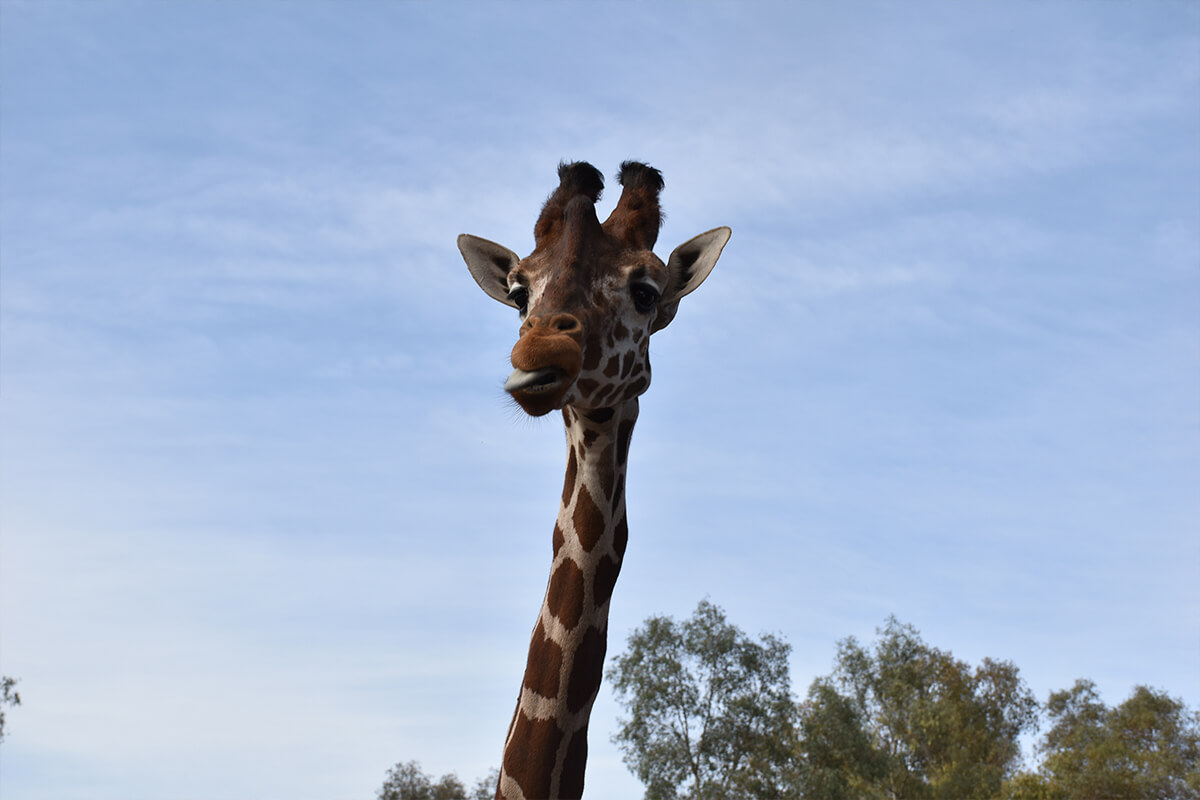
[{"x": 591, "y": 293}]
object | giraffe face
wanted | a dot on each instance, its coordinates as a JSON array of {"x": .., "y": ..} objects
[
  {"x": 590, "y": 295},
  {"x": 584, "y": 343}
]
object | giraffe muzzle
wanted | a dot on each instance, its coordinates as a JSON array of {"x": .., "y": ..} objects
[{"x": 545, "y": 364}]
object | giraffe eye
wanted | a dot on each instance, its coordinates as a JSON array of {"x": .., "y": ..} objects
[
  {"x": 645, "y": 297},
  {"x": 519, "y": 296}
]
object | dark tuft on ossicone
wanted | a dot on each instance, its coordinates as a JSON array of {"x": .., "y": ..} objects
[
  {"x": 580, "y": 177},
  {"x": 576, "y": 179},
  {"x": 635, "y": 174}
]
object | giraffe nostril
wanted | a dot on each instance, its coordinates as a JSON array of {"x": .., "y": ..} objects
[{"x": 565, "y": 323}]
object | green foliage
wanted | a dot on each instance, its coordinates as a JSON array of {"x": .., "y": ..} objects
[
  {"x": 1031, "y": 786},
  {"x": 842, "y": 762},
  {"x": 1147, "y": 747},
  {"x": 912, "y": 721},
  {"x": 711, "y": 714},
  {"x": 406, "y": 781},
  {"x": 8, "y": 697}
]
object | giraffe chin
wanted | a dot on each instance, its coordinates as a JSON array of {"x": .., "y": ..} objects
[{"x": 539, "y": 391}]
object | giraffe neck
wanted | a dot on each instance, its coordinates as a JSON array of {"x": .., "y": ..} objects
[{"x": 546, "y": 749}]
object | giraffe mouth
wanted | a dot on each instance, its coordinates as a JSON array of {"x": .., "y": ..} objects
[
  {"x": 545, "y": 364},
  {"x": 539, "y": 381}
]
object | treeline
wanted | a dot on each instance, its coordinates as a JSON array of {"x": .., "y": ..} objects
[
  {"x": 406, "y": 781},
  {"x": 710, "y": 715}
]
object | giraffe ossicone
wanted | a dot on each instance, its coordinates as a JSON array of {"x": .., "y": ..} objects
[{"x": 589, "y": 296}]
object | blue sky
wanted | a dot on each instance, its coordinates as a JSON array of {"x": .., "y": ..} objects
[{"x": 267, "y": 522}]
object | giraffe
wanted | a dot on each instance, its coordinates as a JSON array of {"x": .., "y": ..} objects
[{"x": 589, "y": 297}]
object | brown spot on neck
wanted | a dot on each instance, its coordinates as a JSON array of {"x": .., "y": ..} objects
[
  {"x": 606, "y": 579},
  {"x": 564, "y": 595},
  {"x": 588, "y": 519},
  {"x": 586, "y": 671},
  {"x": 601, "y": 415},
  {"x": 569, "y": 478},
  {"x": 570, "y": 785},
  {"x": 531, "y": 752},
  {"x": 544, "y": 664}
]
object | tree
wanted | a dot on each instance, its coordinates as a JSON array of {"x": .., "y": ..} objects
[
  {"x": 1147, "y": 747},
  {"x": 407, "y": 781},
  {"x": 841, "y": 761},
  {"x": 711, "y": 713},
  {"x": 928, "y": 726},
  {"x": 8, "y": 697}
]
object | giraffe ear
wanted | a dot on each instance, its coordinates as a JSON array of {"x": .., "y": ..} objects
[
  {"x": 489, "y": 264},
  {"x": 688, "y": 266}
]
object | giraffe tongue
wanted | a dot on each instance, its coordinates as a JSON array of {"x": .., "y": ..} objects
[{"x": 537, "y": 381}]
